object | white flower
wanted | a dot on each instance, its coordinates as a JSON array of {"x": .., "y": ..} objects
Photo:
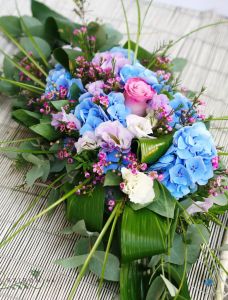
[
  {"x": 87, "y": 142},
  {"x": 138, "y": 187},
  {"x": 139, "y": 126}
]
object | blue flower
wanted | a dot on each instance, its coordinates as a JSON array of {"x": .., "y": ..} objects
[
  {"x": 117, "y": 109},
  {"x": 188, "y": 162},
  {"x": 114, "y": 161},
  {"x": 58, "y": 78},
  {"x": 124, "y": 52}
]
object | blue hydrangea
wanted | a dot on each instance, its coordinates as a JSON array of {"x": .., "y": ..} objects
[
  {"x": 60, "y": 77},
  {"x": 188, "y": 162},
  {"x": 124, "y": 52},
  {"x": 114, "y": 161},
  {"x": 91, "y": 114}
]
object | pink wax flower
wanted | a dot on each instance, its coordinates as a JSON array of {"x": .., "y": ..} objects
[{"x": 137, "y": 93}]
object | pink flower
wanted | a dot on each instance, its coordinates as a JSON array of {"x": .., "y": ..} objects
[{"x": 137, "y": 93}]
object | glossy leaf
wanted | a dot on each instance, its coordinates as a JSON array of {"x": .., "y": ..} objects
[
  {"x": 79, "y": 228},
  {"x": 28, "y": 118},
  {"x": 29, "y": 46},
  {"x": 143, "y": 54},
  {"x": 11, "y": 24},
  {"x": 143, "y": 233},
  {"x": 112, "y": 179},
  {"x": 156, "y": 289},
  {"x": 164, "y": 203},
  {"x": 171, "y": 288},
  {"x": 45, "y": 130},
  {"x": 66, "y": 57},
  {"x": 35, "y": 27},
  {"x": 89, "y": 207},
  {"x": 58, "y": 104},
  {"x": 150, "y": 150},
  {"x": 131, "y": 287}
]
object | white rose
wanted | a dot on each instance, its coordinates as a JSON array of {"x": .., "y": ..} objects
[
  {"x": 139, "y": 126},
  {"x": 87, "y": 142},
  {"x": 138, "y": 187}
]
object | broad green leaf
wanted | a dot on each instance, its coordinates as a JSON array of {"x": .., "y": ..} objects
[
  {"x": 11, "y": 24},
  {"x": 177, "y": 251},
  {"x": 156, "y": 289},
  {"x": 112, "y": 179},
  {"x": 53, "y": 196},
  {"x": 143, "y": 233},
  {"x": 58, "y": 104},
  {"x": 45, "y": 130},
  {"x": 106, "y": 36},
  {"x": 112, "y": 270},
  {"x": 179, "y": 64},
  {"x": 75, "y": 92},
  {"x": 89, "y": 207},
  {"x": 66, "y": 57},
  {"x": 84, "y": 245},
  {"x": 28, "y": 118},
  {"x": 35, "y": 27},
  {"x": 164, "y": 203},
  {"x": 9, "y": 69},
  {"x": 72, "y": 262},
  {"x": 143, "y": 54},
  {"x": 80, "y": 228},
  {"x": 150, "y": 150},
  {"x": 29, "y": 46},
  {"x": 8, "y": 89},
  {"x": 33, "y": 174},
  {"x": 51, "y": 32},
  {"x": 131, "y": 282},
  {"x": 171, "y": 288}
]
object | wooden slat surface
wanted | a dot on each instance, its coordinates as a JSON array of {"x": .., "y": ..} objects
[{"x": 39, "y": 245}]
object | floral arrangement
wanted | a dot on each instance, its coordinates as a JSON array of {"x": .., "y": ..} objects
[{"x": 115, "y": 137}]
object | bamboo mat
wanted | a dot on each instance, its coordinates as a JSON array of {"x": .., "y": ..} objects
[{"x": 28, "y": 260}]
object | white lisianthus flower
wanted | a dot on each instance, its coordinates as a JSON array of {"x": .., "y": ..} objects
[
  {"x": 87, "y": 142},
  {"x": 139, "y": 126},
  {"x": 138, "y": 187}
]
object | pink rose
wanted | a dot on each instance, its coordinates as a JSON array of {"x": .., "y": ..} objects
[{"x": 137, "y": 93}]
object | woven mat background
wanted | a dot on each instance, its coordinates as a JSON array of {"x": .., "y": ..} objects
[{"x": 32, "y": 253}]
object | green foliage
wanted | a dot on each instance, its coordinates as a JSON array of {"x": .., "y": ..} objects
[
  {"x": 112, "y": 179},
  {"x": 164, "y": 203},
  {"x": 46, "y": 131},
  {"x": 79, "y": 228},
  {"x": 28, "y": 118},
  {"x": 29, "y": 46},
  {"x": 53, "y": 196},
  {"x": 66, "y": 57},
  {"x": 106, "y": 36},
  {"x": 75, "y": 91},
  {"x": 150, "y": 150},
  {"x": 88, "y": 207},
  {"x": 143, "y": 54},
  {"x": 58, "y": 104},
  {"x": 11, "y": 24},
  {"x": 143, "y": 233},
  {"x": 35, "y": 27},
  {"x": 156, "y": 289}
]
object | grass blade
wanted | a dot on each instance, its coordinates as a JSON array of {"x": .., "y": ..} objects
[
  {"x": 25, "y": 86},
  {"x": 128, "y": 30},
  {"x": 138, "y": 30}
]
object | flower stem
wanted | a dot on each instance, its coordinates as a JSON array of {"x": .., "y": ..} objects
[
  {"x": 138, "y": 31},
  {"x": 33, "y": 219},
  {"x": 98, "y": 241},
  {"x": 128, "y": 30},
  {"x": 20, "y": 140}
]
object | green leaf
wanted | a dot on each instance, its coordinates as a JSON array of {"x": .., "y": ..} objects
[
  {"x": 29, "y": 46},
  {"x": 164, "y": 203},
  {"x": 171, "y": 288},
  {"x": 51, "y": 32},
  {"x": 156, "y": 289},
  {"x": 9, "y": 69},
  {"x": 28, "y": 118},
  {"x": 52, "y": 198},
  {"x": 79, "y": 228},
  {"x": 35, "y": 27},
  {"x": 150, "y": 150},
  {"x": 75, "y": 91},
  {"x": 131, "y": 282},
  {"x": 11, "y": 24},
  {"x": 45, "y": 130},
  {"x": 112, "y": 179},
  {"x": 106, "y": 36},
  {"x": 177, "y": 251},
  {"x": 84, "y": 245},
  {"x": 66, "y": 57},
  {"x": 72, "y": 262},
  {"x": 112, "y": 270},
  {"x": 33, "y": 174},
  {"x": 143, "y": 233},
  {"x": 143, "y": 54},
  {"x": 58, "y": 104},
  {"x": 179, "y": 64},
  {"x": 89, "y": 207}
]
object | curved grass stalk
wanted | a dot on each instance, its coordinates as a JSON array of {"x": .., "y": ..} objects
[
  {"x": 94, "y": 248},
  {"x": 138, "y": 30},
  {"x": 14, "y": 41},
  {"x": 33, "y": 204},
  {"x": 193, "y": 31},
  {"x": 225, "y": 118},
  {"x": 30, "y": 36},
  {"x": 146, "y": 13},
  {"x": 128, "y": 30},
  {"x": 25, "y": 86},
  {"x": 222, "y": 153},
  {"x": 19, "y": 67},
  {"x": 43, "y": 212},
  {"x": 26, "y": 151},
  {"x": 108, "y": 249},
  {"x": 20, "y": 140}
]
